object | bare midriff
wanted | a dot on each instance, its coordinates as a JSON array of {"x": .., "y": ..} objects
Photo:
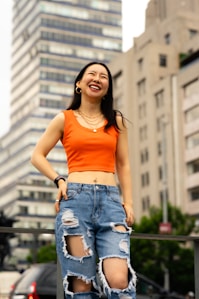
[{"x": 92, "y": 177}]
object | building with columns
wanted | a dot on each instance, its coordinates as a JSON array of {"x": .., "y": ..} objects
[{"x": 156, "y": 85}]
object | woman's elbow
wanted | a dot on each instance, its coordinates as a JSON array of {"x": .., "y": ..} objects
[{"x": 34, "y": 158}]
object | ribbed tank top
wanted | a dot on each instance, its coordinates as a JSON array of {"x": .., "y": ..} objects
[{"x": 86, "y": 150}]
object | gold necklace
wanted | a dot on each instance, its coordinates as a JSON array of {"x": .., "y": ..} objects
[
  {"x": 91, "y": 123},
  {"x": 88, "y": 116}
]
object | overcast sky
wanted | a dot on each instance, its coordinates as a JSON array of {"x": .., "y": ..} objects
[{"x": 133, "y": 25}]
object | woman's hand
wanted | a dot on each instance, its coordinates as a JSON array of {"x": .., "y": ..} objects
[
  {"x": 129, "y": 214},
  {"x": 62, "y": 193}
]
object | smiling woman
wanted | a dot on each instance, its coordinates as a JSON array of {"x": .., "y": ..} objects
[
  {"x": 133, "y": 13},
  {"x": 93, "y": 222}
]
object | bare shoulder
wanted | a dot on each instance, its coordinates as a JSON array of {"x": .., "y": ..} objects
[
  {"x": 58, "y": 122},
  {"x": 59, "y": 118}
]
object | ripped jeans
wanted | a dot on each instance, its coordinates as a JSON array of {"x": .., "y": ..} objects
[{"x": 93, "y": 212}]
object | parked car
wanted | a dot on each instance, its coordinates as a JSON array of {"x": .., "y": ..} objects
[
  {"x": 37, "y": 282},
  {"x": 40, "y": 282},
  {"x": 147, "y": 288}
]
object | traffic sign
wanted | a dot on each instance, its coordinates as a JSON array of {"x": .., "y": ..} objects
[{"x": 165, "y": 228}]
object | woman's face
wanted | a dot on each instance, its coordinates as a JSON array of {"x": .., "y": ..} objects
[{"x": 95, "y": 81}]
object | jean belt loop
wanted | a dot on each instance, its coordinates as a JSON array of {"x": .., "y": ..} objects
[
  {"x": 79, "y": 189},
  {"x": 107, "y": 190}
]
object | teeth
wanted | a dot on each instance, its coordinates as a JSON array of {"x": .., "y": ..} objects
[{"x": 95, "y": 87}]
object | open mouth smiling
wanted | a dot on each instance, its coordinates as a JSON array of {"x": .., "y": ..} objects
[{"x": 94, "y": 87}]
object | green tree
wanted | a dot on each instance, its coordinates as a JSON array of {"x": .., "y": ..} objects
[
  {"x": 149, "y": 257},
  {"x": 5, "y": 249},
  {"x": 44, "y": 254}
]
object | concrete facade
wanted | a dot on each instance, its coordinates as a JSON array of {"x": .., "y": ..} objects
[{"x": 157, "y": 88}]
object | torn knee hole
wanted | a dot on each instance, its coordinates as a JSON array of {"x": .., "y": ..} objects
[
  {"x": 77, "y": 285},
  {"x": 76, "y": 246},
  {"x": 120, "y": 227}
]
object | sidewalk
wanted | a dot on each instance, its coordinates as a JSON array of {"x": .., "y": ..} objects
[{"x": 7, "y": 278}]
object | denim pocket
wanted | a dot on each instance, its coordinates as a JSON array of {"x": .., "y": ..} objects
[
  {"x": 115, "y": 196},
  {"x": 71, "y": 194}
]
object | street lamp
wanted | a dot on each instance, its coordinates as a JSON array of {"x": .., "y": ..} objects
[{"x": 165, "y": 226}]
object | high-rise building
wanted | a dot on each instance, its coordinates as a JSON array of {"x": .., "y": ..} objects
[
  {"x": 156, "y": 85},
  {"x": 51, "y": 41}
]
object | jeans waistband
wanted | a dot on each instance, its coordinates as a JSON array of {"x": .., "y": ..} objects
[{"x": 91, "y": 187}]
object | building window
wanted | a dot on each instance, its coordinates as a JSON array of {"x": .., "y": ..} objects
[
  {"x": 141, "y": 87},
  {"x": 23, "y": 210},
  {"x": 45, "y": 196},
  {"x": 159, "y": 98},
  {"x": 145, "y": 203},
  {"x": 60, "y": 63},
  {"x": 160, "y": 172},
  {"x": 194, "y": 194},
  {"x": 159, "y": 124},
  {"x": 159, "y": 147},
  {"x": 140, "y": 64},
  {"x": 32, "y": 194},
  {"x": 117, "y": 79},
  {"x": 144, "y": 156},
  {"x": 145, "y": 179},
  {"x": 142, "y": 110},
  {"x": 167, "y": 39},
  {"x": 192, "y": 32},
  {"x": 192, "y": 141},
  {"x": 50, "y": 103},
  {"x": 25, "y": 35},
  {"x": 192, "y": 114},
  {"x": 143, "y": 133},
  {"x": 162, "y": 60},
  {"x": 193, "y": 167},
  {"x": 56, "y": 77},
  {"x": 191, "y": 88}
]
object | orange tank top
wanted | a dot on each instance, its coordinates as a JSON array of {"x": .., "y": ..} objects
[{"x": 86, "y": 150}]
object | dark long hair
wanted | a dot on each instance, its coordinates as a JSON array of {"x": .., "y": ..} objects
[{"x": 106, "y": 103}]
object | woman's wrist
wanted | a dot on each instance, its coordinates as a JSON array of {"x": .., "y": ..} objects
[{"x": 57, "y": 179}]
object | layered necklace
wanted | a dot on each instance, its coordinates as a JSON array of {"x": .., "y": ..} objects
[{"x": 91, "y": 121}]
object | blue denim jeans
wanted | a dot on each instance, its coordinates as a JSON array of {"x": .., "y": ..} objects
[{"x": 93, "y": 211}]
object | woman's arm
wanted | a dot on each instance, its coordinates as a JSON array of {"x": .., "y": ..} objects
[
  {"x": 46, "y": 143},
  {"x": 124, "y": 172}
]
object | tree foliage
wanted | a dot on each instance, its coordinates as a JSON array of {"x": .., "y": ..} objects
[
  {"x": 152, "y": 257},
  {"x": 5, "y": 249},
  {"x": 45, "y": 254}
]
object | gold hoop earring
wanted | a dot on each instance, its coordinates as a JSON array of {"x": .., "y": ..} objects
[{"x": 78, "y": 90}]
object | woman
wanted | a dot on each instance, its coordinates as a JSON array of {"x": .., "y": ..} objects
[{"x": 92, "y": 223}]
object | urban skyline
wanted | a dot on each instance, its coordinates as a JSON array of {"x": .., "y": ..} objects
[
  {"x": 155, "y": 85},
  {"x": 137, "y": 27},
  {"x": 49, "y": 46}
]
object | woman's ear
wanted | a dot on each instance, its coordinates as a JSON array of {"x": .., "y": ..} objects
[{"x": 78, "y": 84}]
